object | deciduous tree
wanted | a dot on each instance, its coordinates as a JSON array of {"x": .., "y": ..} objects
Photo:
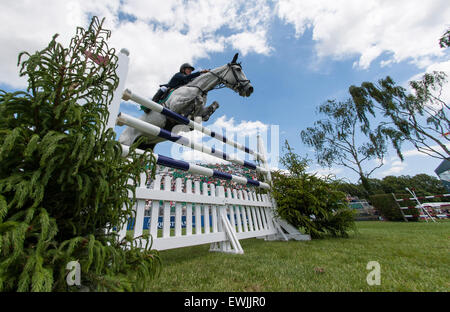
[
  {"x": 336, "y": 140},
  {"x": 420, "y": 117}
]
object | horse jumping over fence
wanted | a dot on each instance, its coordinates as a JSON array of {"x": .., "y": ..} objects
[
  {"x": 211, "y": 214},
  {"x": 190, "y": 101}
]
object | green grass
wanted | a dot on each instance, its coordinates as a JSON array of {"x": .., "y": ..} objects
[{"x": 413, "y": 257}]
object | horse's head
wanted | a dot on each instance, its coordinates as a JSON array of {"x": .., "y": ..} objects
[{"x": 236, "y": 79}]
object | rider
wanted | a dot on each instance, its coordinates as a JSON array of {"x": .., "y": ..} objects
[{"x": 184, "y": 76}]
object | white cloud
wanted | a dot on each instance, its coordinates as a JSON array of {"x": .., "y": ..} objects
[
  {"x": 403, "y": 29},
  {"x": 199, "y": 157},
  {"x": 243, "y": 128},
  {"x": 250, "y": 42},
  {"x": 241, "y": 132},
  {"x": 160, "y": 35},
  {"x": 397, "y": 167},
  {"x": 378, "y": 161},
  {"x": 393, "y": 170},
  {"x": 326, "y": 172},
  {"x": 415, "y": 152},
  {"x": 439, "y": 66}
]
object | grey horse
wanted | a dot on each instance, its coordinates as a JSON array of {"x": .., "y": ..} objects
[{"x": 190, "y": 101}]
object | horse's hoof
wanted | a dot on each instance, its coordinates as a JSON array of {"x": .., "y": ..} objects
[{"x": 211, "y": 109}]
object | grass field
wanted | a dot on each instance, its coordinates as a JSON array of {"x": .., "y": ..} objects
[{"x": 412, "y": 256}]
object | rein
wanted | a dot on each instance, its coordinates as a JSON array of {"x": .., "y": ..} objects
[{"x": 223, "y": 82}]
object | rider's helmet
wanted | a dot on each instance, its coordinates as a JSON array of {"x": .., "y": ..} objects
[{"x": 186, "y": 65}]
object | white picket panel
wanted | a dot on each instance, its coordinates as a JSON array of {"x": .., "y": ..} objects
[
  {"x": 139, "y": 220},
  {"x": 217, "y": 246},
  {"x": 166, "y": 212},
  {"x": 258, "y": 212},
  {"x": 230, "y": 210},
  {"x": 238, "y": 213},
  {"x": 140, "y": 209},
  {"x": 248, "y": 211},
  {"x": 198, "y": 213},
  {"x": 188, "y": 208},
  {"x": 243, "y": 209},
  {"x": 178, "y": 209},
  {"x": 206, "y": 210},
  {"x": 123, "y": 231},
  {"x": 155, "y": 209},
  {"x": 226, "y": 216}
]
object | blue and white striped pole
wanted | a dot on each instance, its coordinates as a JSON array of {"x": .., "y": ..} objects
[
  {"x": 196, "y": 169},
  {"x": 145, "y": 127},
  {"x": 128, "y": 95}
]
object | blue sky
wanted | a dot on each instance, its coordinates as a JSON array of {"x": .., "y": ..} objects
[{"x": 297, "y": 54}]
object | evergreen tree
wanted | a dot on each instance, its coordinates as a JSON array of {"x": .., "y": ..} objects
[
  {"x": 63, "y": 183},
  {"x": 308, "y": 202}
]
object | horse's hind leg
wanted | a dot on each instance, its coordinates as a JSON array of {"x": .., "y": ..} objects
[{"x": 145, "y": 145}]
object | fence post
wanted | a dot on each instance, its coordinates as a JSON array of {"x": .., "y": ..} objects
[{"x": 122, "y": 72}]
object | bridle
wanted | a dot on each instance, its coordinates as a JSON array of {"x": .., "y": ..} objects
[
  {"x": 238, "y": 86},
  {"x": 240, "y": 83}
]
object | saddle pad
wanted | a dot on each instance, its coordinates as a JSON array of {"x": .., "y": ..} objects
[{"x": 162, "y": 102}]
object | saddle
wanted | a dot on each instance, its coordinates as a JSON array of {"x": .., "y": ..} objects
[
  {"x": 160, "y": 96},
  {"x": 162, "y": 93}
]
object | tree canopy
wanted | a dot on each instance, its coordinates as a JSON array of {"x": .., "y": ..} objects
[
  {"x": 424, "y": 184},
  {"x": 420, "y": 118},
  {"x": 444, "y": 42},
  {"x": 336, "y": 140}
]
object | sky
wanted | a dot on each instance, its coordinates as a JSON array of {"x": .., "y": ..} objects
[{"x": 297, "y": 54}]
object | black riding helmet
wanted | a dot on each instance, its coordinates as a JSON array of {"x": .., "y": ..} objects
[{"x": 186, "y": 65}]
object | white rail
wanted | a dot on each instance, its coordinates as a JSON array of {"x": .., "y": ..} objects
[{"x": 194, "y": 213}]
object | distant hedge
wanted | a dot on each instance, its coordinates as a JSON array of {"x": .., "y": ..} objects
[{"x": 389, "y": 210}]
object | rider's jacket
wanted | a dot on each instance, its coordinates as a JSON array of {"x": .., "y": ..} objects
[{"x": 180, "y": 79}]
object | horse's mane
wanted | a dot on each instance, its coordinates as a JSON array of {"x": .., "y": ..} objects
[{"x": 202, "y": 77}]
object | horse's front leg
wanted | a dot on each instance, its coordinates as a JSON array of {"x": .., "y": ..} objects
[
  {"x": 196, "y": 108},
  {"x": 203, "y": 111},
  {"x": 209, "y": 110},
  {"x": 199, "y": 106}
]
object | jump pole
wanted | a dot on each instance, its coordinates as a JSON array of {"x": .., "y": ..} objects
[
  {"x": 200, "y": 170},
  {"x": 128, "y": 95},
  {"x": 145, "y": 127}
]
